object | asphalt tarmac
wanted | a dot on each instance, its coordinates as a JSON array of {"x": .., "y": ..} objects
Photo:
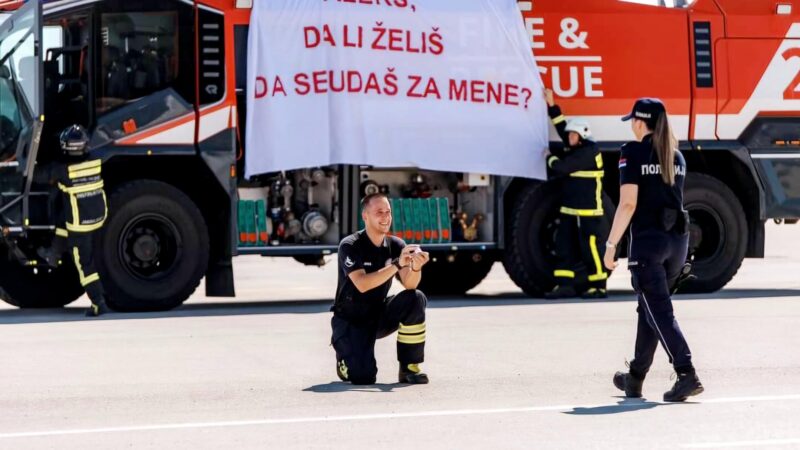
[{"x": 506, "y": 371}]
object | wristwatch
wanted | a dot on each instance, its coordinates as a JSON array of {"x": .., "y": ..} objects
[{"x": 396, "y": 263}]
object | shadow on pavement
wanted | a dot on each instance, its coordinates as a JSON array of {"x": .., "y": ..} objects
[
  {"x": 623, "y": 406},
  {"x": 74, "y": 314},
  {"x": 517, "y": 298},
  {"x": 317, "y": 306},
  {"x": 339, "y": 386}
]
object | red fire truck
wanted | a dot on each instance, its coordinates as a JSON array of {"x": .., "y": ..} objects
[{"x": 161, "y": 86}]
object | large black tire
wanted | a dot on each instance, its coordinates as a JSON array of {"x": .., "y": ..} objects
[
  {"x": 22, "y": 287},
  {"x": 455, "y": 274},
  {"x": 154, "y": 247},
  {"x": 718, "y": 232},
  {"x": 530, "y": 254}
]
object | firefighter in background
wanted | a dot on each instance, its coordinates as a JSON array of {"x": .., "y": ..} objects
[
  {"x": 83, "y": 205},
  {"x": 579, "y": 165},
  {"x": 362, "y": 313}
]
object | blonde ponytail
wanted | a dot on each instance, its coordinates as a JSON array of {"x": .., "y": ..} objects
[{"x": 665, "y": 144}]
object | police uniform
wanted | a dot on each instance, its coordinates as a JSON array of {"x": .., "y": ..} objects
[
  {"x": 84, "y": 211},
  {"x": 658, "y": 246},
  {"x": 361, "y": 318},
  {"x": 578, "y": 242}
]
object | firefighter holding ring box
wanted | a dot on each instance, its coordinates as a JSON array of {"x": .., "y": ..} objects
[{"x": 362, "y": 313}]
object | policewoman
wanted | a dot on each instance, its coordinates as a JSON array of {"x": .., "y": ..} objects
[{"x": 652, "y": 175}]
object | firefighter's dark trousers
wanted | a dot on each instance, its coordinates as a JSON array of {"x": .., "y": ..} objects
[
  {"x": 81, "y": 248},
  {"x": 656, "y": 260},
  {"x": 355, "y": 344},
  {"x": 578, "y": 257}
]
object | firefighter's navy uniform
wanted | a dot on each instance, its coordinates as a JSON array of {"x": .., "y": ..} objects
[
  {"x": 658, "y": 246},
  {"x": 84, "y": 212},
  {"x": 361, "y": 318},
  {"x": 580, "y": 231}
]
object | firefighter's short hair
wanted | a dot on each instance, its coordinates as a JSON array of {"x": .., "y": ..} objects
[{"x": 369, "y": 198}]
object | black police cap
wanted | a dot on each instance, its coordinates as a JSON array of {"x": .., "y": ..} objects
[{"x": 647, "y": 109}]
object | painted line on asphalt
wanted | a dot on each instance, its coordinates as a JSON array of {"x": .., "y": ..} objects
[
  {"x": 764, "y": 443},
  {"x": 364, "y": 417}
]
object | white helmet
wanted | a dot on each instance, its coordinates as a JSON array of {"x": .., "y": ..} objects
[{"x": 580, "y": 126}]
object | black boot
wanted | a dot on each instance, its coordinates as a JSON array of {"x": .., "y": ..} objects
[
  {"x": 411, "y": 374},
  {"x": 686, "y": 386},
  {"x": 595, "y": 293},
  {"x": 98, "y": 308},
  {"x": 561, "y": 292},
  {"x": 632, "y": 386}
]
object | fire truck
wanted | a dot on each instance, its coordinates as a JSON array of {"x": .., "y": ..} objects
[{"x": 161, "y": 85}]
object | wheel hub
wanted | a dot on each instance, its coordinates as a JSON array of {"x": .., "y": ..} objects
[
  {"x": 150, "y": 247},
  {"x": 706, "y": 237},
  {"x": 146, "y": 246}
]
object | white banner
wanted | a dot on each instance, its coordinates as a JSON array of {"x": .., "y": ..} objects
[{"x": 436, "y": 84}]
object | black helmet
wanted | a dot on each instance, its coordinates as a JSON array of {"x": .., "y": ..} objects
[{"x": 74, "y": 141}]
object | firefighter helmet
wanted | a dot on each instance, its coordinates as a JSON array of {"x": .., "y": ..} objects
[
  {"x": 580, "y": 126},
  {"x": 74, "y": 141}
]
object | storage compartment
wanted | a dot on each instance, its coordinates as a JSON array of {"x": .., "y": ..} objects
[
  {"x": 434, "y": 207},
  {"x": 293, "y": 208},
  {"x": 309, "y": 211}
]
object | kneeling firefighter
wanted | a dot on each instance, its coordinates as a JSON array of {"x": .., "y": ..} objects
[
  {"x": 362, "y": 312},
  {"x": 579, "y": 166},
  {"x": 83, "y": 210}
]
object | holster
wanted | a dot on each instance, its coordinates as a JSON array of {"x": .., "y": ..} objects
[
  {"x": 675, "y": 220},
  {"x": 684, "y": 277}
]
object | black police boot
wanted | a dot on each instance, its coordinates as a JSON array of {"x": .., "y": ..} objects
[
  {"x": 341, "y": 370},
  {"x": 411, "y": 374},
  {"x": 686, "y": 386},
  {"x": 561, "y": 292},
  {"x": 632, "y": 386},
  {"x": 98, "y": 308},
  {"x": 595, "y": 293}
]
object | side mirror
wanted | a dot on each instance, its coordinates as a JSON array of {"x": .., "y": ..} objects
[
  {"x": 5, "y": 73},
  {"x": 74, "y": 140}
]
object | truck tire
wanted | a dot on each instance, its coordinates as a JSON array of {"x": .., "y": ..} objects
[
  {"x": 455, "y": 274},
  {"x": 529, "y": 256},
  {"x": 22, "y": 287},
  {"x": 154, "y": 247},
  {"x": 718, "y": 232}
]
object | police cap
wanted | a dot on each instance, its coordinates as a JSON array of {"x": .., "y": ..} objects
[{"x": 648, "y": 110}]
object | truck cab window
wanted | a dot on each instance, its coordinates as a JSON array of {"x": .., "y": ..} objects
[
  {"x": 67, "y": 56},
  {"x": 17, "y": 84},
  {"x": 145, "y": 72},
  {"x": 10, "y": 120},
  {"x": 139, "y": 56},
  {"x": 53, "y": 38}
]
